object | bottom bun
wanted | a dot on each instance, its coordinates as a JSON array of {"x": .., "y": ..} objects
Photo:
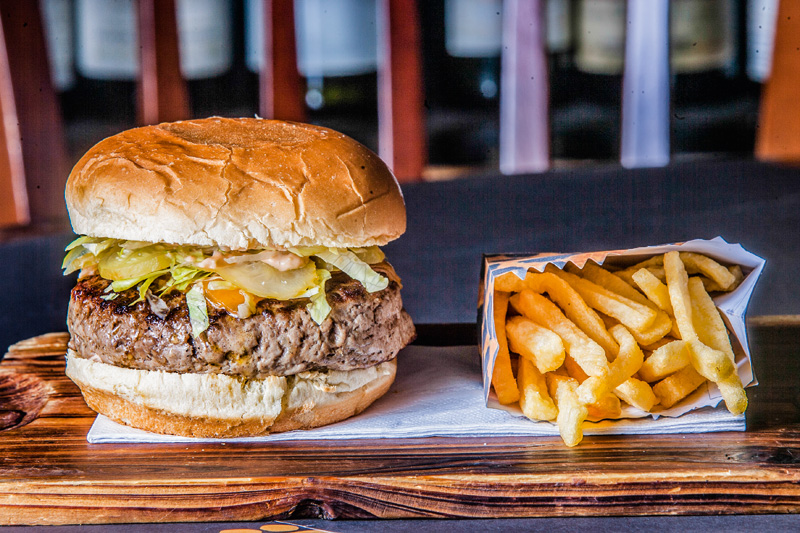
[{"x": 219, "y": 406}]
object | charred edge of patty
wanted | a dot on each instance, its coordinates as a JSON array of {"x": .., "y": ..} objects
[{"x": 280, "y": 338}]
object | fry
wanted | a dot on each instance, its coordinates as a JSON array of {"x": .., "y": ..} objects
[
  {"x": 623, "y": 367},
  {"x": 712, "y": 364},
  {"x": 632, "y": 314},
  {"x": 505, "y": 386},
  {"x": 652, "y": 287},
  {"x": 713, "y": 286},
  {"x": 535, "y": 343},
  {"x": 678, "y": 386},
  {"x": 606, "y": 407},
  {"x": 573, "y": 306},
  {"x": 571, "y": 413},
  {"x": 664, "y": 361},
  {"x": 712, "y": 332},
  {"x": 574, "y": 370},
  {"x": 637, "y": 393},
  {"x": 706, "y": 320},
  {"x": 661, "y": 327},
  {"x": 534, "y": 400},
  {"x": 587, "y": 353},
  {"x": 733, "y": 393},
  {"x": 608, "y": 280},
  {"x": 627, "y": 274},
  {"x": 583, "y": 333},
  {"x": 678, "y": 287},
  {"x": 659, "y": 273},
  {"x": 700, "y": 263},
  {"x": 629, "y": 360}
]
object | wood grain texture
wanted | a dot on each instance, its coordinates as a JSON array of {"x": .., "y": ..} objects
[{"x": 49, "y": 474}]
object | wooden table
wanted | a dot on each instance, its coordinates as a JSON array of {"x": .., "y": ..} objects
[{"x": 49, "y": 474}]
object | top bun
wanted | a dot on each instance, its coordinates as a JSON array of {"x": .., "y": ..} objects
[{"x": 239, "y": 184}]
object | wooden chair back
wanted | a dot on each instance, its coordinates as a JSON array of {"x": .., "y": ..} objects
[
  {"x": 33, "y": 155},
  {"x": 778, "y": 134},
  {"x": 162, "y": 95}
]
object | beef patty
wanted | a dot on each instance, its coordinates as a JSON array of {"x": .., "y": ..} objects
[{"x": 280, "y": 338}]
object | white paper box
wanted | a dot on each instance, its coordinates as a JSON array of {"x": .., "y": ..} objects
[{"x": 732, "y": 306}]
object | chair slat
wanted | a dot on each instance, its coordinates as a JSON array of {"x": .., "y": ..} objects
[
  {"x": 401, "y": 114},
  {"x": 645, "y": 85},
  {"x": 162, "y": 94},
  {"x": 33, "y": 163},
  {"x": 778, "y": 134},
  {"x": 279, "y": 82},
  {"x": 524, "y": 90}
]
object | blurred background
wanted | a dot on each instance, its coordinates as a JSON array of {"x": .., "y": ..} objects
[
  {"x": 719, "y": 58},
  {"x": 720, "y": 54}
]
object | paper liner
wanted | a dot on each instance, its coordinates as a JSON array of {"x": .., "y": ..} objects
[{"x": 732, "y": 306}]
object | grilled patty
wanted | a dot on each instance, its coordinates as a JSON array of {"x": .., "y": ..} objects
[{"x": 280, "y": 338}]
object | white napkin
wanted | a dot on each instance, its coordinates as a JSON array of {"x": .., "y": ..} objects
[{"x": 438, "y": 393}]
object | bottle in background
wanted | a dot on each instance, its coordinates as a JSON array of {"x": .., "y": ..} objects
[
  {"x": 336, "y": 51},
  {"x": 589, "y": 127},
  {"x": 761, "y": 20},
  {"x": 107, "y": 59},
  {"x": 205, "y": 39},
  {"x": 473, "y": 39},
  {"x": 462, "y": 42},
  {"x": 57, "y": 21},
  {"x": 559, "y": 41},
  {"x": 710, "y": 112},
  {"x": 337, "y": 56}
]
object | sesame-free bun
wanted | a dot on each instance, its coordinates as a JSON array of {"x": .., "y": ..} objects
[
  {"x": 221, "y": 406},
  {"x": 241, "y": 184}
]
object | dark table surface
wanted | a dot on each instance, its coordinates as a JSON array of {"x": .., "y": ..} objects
[{"x": 450, "y": 224}]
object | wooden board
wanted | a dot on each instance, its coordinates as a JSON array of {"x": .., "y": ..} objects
[{"x": 49, "y": 474}]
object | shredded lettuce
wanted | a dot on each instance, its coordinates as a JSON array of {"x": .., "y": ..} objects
[
  {"x": 198, "y": 312},
  {"x": 71, "y": 263},
  {"x": 160, "y": 268},
  {"x": 125, "y": 284},
  {"x": 350, "y": 264},
  {"x": 183, "y": 276},
  {"x": 370, "y": 254},
  {"x": 318, "y": 307}
]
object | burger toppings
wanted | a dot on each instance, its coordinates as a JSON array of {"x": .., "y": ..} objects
[{"x": 231, "y": 280}]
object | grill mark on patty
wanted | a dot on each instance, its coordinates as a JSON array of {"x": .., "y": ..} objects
[{"x": 279, "y": 339}]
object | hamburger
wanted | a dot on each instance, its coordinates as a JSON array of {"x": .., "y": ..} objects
[{"x": 231, "y": 281}]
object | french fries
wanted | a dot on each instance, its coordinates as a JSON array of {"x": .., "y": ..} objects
[
  {"x": 537, "y": 344},
  {"x": 571, "y": 412},
  {"x": 503, "y": 377},
  {"x": 534, "y": 400},
  {"x": 589, "y": 340}
]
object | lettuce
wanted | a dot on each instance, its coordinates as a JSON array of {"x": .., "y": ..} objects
[
  {"x": 133, "y": 263},
  {"x": 125, "y": 284},
  {"x": 318, "y": 307},
  {"x": 198, "y": 312},
  {"x": 350, "y": 264},
  {"x": 182, "y": 276}
]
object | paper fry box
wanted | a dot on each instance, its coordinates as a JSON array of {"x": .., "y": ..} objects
[{"x": 732, "y": 306}]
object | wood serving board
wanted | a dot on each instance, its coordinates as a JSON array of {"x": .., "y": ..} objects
[{"x": 49, "y": 474}]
